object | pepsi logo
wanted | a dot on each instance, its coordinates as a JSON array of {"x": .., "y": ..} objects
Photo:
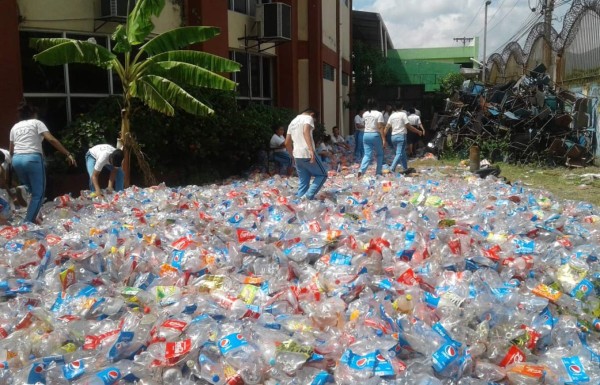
[
  {"x": 380, "y": 358},
  {"x": 575, "y": 369},
  {"x": 176, "y": 258},
  {"x": 38, "y": 369},
  {"x": 224, "y": 343},
  {"x": 584, "y": 288},
  {"x": 239, "y": 336},
  {"x": 113, "y": 374},
  {"x": 450, "y": 351},
  {"x": 362, "y": 362},
  {"x": 76, "y": 364},
  {"x": 2, "y": 366}
]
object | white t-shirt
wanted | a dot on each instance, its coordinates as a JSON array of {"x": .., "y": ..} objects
[
  {"x": 296, "y": 131},
  {"x": 337, "y": 140},
  {"x": 27, "y": 136},
  {"x": 359, "y": 123},
  {"x": 372, "y": 118},
  {"x": 414, "y": 120},
  {"x": 277, "y": 141},
  {"x": 6, "y": 164},
  {"x": 398, "y": 120},
  {"x": 101, "y": 152}
]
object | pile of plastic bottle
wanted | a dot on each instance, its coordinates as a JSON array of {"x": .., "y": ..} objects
[{"x": 396, "y": 280}]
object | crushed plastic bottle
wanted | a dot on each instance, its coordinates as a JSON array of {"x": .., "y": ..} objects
[{"x": 433, "y": 279}]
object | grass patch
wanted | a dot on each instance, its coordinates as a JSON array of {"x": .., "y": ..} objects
[{"x": 580, "y": 184}]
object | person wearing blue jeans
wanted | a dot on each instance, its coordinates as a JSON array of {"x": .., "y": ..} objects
[
  {"x": 105, "y": 156},
  {"x": 280, "y": 155},
  {"x": 398, "y": 124},
  {"x": 27, "y": 157},
  {"x": 300, "y": 144},
  {"x": 373, "y": 140}
]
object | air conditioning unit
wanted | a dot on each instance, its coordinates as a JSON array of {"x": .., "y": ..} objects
[
  {"x": 116, "y": 8},
  {"x": 275, "y": 21}
]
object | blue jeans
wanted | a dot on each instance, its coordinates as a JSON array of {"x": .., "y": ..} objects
[
  {"x": 31, "y": 172},
  {"x": 399, "y": 141},
  {"x": 359, "y": 149},
  {"x": 90, "y": 162},
  {"x": 306, "y": 170},
  {"x": 372, "y": 142},
  {"x": 282, "y": 158}
]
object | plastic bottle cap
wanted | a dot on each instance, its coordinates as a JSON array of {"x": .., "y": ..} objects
[
  {"x": 409, "y": 297},
  {"x": 215, "y": 378}
]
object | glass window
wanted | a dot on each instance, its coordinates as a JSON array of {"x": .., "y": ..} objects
[
  {"x": 255, "y": 77},
  {"x": 36, "y": 77},
  {"x": 344, "y": 79},
  {"x": 266, "y": 77},
  {"x": 86, "y": 78},
  {"x": 328, "y": 72},
  {"x": 246, "y": 6},
  {"x": 63, "y": 92}
]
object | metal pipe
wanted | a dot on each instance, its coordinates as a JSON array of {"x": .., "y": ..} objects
[{"x": 488, "y": 2}]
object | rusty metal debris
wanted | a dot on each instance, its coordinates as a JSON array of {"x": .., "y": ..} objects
[{"x": 523, "y": 121}]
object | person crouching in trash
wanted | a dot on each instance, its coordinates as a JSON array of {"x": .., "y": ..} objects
[{"x": 105, "y": 156}]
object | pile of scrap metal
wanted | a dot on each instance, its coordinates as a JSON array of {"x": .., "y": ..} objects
[{"x": 523, "y": 121}]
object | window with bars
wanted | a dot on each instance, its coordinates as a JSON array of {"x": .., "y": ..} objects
[
  {"x": 328, "y": 72},
  {"x": 63, "y": 92},
  {"x": 254, "y": 79},
  {"x": 246, "y": 6}
]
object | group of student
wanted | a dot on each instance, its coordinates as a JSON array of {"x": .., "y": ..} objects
[
  {"x": 396, "y": 127},
  {"x": 371, "y": 136},
  {"x": 26, "y": 158}
]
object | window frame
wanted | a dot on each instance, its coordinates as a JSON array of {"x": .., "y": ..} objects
[{"x": 265, "y": 96}]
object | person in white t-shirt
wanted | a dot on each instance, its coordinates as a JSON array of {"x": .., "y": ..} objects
[
  {"x": 398, "y": 125},
  {"x": 4, "y": 168},
  {"x": 338, "y": 140},
  {"x": 280, "y": 155},
  {"x": 301, "y": 145},
  {"x": 413, "y": 138},
  {"x": 28, "y": 157},
  {"x": 359, "y": 131},
  {"x": 105, "y": 156},
  {"x": 374, "y": 139}
]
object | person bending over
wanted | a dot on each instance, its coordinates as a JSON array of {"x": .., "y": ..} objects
[{"x": 105, "y": 156}]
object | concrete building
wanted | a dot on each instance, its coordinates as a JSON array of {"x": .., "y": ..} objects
[{"x": 295, "y": 53}]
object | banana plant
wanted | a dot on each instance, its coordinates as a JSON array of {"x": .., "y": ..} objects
[{"x": 157, "y": 73}]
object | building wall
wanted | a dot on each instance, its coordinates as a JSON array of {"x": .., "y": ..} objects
[
  {"x": 78, "y": 15},
  {"x": 303, "y": 85},
  {"x": 330, "y": 26},
  {"x": 302, "y": 20},
  {"x": 11, "y": 91},
  {"x": 330, "y": 114}
]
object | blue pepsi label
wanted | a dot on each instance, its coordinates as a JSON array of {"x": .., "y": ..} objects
[
  {"x": 230, "y": 342},
  {"x": 358, "y": 362},
  {"x": 575, "y": 370},
  {"x": 177, "y": 258},
  {"x": 431, "y": 300},
  {"x": 109, "y": 376},
  {"x": 74, "y": 370},
  {"x": 524, "y": 246},
  {"x": 383, "y": 367},
  {"x": 120, "y": 344},
  {"x": 340, "y": 259},
  {"x": 444, "y": 356},
  {"x": 37, "y": 373},
  {"x": 322, "y": 378},
  {"x": 582, "y": 290}
]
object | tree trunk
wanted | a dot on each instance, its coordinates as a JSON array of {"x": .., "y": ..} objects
[{"x": 126, "y": 139}]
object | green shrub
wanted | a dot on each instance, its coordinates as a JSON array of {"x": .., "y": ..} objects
[{"x": 184, "y": 149}]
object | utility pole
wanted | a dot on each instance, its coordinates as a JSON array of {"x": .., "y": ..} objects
[
  {"x": 548, "y": 10},
  {"x": 488, "y": 2},
  {"x": 464, "y": 40}
]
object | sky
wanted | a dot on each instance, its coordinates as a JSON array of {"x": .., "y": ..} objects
[{"x": 435, "y": 23}]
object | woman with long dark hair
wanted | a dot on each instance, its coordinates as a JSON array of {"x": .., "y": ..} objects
[{"x": 26, "y": 139}]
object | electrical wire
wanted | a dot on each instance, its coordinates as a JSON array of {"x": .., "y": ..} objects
[
  {"x": 494, "y": 15},
  {"x": 508, "y": 13},
  {"x": 474, "y": 17}
]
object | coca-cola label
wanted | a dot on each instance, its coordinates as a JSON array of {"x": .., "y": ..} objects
[
  {"x": 245, "y": 235},
  {"x": 514, "y": 356},
  {"x": 177, "y": 349},
  {"x": 174, "y": 324},
  {"x": 231, "y": 342},
  {"x": 92, "y": 342}
]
